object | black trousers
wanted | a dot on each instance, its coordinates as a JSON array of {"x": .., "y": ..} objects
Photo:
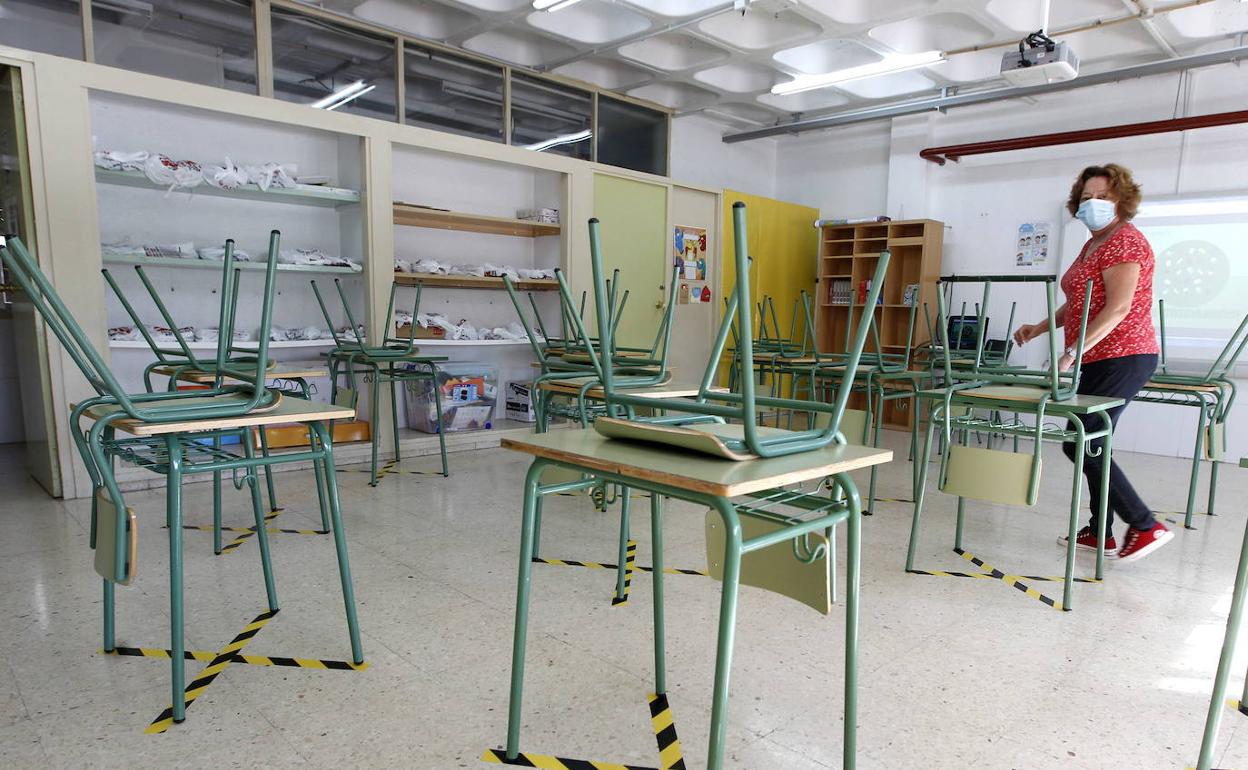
[{"x": 1120, "y": 378}]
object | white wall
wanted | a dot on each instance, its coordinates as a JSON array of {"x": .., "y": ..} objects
[
  {"x": 700, "y": 157},
  {"x": 874, "y": 168}
]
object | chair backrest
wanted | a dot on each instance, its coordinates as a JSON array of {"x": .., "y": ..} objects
[
  {"x": 740, "y": 405},
  {"x": 65, "y": 327},
  {"x": 1223, "y": 365},
  {"x": 1061, "y": 385},
  {"x": 356, "y": 342}
]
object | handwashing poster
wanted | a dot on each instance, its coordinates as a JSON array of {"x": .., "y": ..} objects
[
  {"x": 689, "y": 251},
  {"x": 1032, "y": 249}
]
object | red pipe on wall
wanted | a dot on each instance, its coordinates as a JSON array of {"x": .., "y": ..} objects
[{"x": 955, "y": 151}]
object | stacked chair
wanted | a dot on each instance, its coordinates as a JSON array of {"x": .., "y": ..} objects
[
  {"x": 177, "y": 433},
  {"x": 394, "y": 362}
]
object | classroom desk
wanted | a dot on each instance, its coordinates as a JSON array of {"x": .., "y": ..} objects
[
  {"x": 1020, "y": 399},
  {"x": 714, "y": 483}
]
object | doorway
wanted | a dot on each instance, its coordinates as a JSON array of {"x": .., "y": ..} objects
[{"x": 27, "y": 435}]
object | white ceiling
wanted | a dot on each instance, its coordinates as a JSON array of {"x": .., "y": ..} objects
[{"x": 725, "y": 65}]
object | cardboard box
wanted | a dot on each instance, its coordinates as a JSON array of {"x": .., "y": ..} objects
[
  {"x": 518, "y": 402},
  {"x": 422, "y": 332}
]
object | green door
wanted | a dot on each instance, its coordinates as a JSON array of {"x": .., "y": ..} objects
[{"x": 633, "y": 217}]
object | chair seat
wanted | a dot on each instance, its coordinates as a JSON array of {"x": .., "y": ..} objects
[
  {"x": 1193, "y": 387},
  {"x": 204, "y": 375},
  {"x": 1027, "y": 393},
  {"x": 287, "y": 409},
  {"x": 572, "y": 387}
]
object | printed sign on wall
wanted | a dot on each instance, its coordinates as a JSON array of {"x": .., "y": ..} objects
[{"x": 1032, "y": 249}]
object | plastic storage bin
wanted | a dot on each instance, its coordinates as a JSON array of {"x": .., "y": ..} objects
[{"x": 469, "y": 394}]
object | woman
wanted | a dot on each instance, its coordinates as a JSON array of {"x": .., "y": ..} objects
[{"x": 1120, "y": 345}]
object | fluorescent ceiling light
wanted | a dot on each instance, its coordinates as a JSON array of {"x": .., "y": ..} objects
[
  {"x": 553, "y": 5},
  {"x": 350, "y": 97},
  {"x": 887, "y": 66},
  {"x": 342, "y": 94},
  {"x": 579, "y": 136}
]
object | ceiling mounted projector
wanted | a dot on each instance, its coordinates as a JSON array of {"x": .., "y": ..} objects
[{"x": 1039, "y": 60}]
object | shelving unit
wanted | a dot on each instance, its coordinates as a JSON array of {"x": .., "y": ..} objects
[
  {"x": 472, "y": 282},
  {"x": 304, "y": 195},
  {"x": 209, "y": 264},
  {"x": 273, "y": 345},
  {"x": 411, "y": 215},
  {"x": 851, "y": 253}
]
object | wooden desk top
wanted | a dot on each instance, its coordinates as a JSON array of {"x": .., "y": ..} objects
[
  {"x": 1180, "y": 387},
  {"x": 696, "y": 473},
  {"x": 199, "y": 376},
  {"x": 1028, "y": 394},
  {"x": 291, "y": 409}
]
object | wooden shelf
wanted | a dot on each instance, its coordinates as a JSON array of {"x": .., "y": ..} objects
[
  {"x": 417, "y": 216},
  {"x": 197, "y": 345},
  {"x": 472, "y": 282},
  {"x": 212, "y": 264},
  {"x": 916, "y": 241},
  {"x": 306, "y": 195}
]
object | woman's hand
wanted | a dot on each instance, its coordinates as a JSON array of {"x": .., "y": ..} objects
[
  {"x": 1065, "y": 362},
  {"x": 1028, "y": 332}
]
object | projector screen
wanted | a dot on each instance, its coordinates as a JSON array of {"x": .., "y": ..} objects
[{"x": 1201, "y": 245}]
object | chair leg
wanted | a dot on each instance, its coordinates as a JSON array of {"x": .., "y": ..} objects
[
  {"x": 625, "y": 534},
  {"x": 853, "y": 590},
  {"x": 110, "y": 615},
  {"x": 1201, "y": 423},
  {"x": 173, "y": 518},
  {"x": 656, "y": 560},
  {"x": 1213, "y": 484},
  {"x": 373, "y": 410},
  {"x": 394, "y": 414},
  {"x": 216, "y": 502},
  {"x": 1225, "y": 660},
  {"x": 340, "y": 541},
  {"x": 262, "y": 530},
  {"x": 1076, "y": 494},
  {"x": 319, "y": 470},
  {"x": 532, "y": 505},
  {"x": 268, "y": 469},
  {"x": 437, "y": 406},
  {"x": 920, "y": 489}
]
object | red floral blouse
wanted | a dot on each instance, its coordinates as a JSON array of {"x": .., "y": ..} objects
[{"x": 1134, "y": 334}]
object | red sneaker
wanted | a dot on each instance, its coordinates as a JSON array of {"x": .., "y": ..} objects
[
  {"x": 1086, "y": 541},
  {"x": 1142, "y": 542}
]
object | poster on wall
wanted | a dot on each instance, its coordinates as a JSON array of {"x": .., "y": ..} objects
[
  {"x": 1032, "y": 248},
  {"x": 689, "y": 250}
]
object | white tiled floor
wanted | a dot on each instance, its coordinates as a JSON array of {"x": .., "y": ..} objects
[{"x": 954, "y": 673}]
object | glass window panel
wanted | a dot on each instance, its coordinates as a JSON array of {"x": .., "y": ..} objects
[
  {"x": 46, "y": 26},
  {"x": 333, "y": 66},
  {"x": 212, "y": 42},
  {"x": 550, "y": 117},
  {"x": 631, "y": 136},
  {"x": 452, "y": 93}
]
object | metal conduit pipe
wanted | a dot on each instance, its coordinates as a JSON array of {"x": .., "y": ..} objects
[{"x": 997, "y": 94}]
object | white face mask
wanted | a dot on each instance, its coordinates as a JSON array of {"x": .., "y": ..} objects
[{"x": 1096, "y": 213}]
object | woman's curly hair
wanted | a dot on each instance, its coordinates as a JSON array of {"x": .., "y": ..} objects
[{"x": 1121, "y": 184}]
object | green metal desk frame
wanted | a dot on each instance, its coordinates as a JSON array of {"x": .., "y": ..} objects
[
  {"x": 954, "y": 408},
  {"x": 1233, "y": 622},
  {"x": 706, "y": 482}
]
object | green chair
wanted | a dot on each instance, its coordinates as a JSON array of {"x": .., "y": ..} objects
[
  {"x": 396, "y": 361},
  {"x": 1213, "y": 395},
  {"x": 166, "y": 436}
]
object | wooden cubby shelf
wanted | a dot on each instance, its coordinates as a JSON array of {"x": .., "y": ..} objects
[
  {"x": 410, "y": 215},
  {"x": 848, "y": 255},
  {"x": 472, "y": 282}
]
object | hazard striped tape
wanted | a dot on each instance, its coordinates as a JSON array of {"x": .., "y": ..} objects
[
  {"x": 1009, "y": 580},
  {"x": 219, "y": 663},
  {"x": 630, "y": 560},
  {"x": 387, "y": 469},
  {"x": 608, "y": 565},
  {"x": 670, "y": 756},
  {"x": 547, "y": 762},
  {"x": 989, "y": 572},
  {"x": 205, "y": 656},
  {"x": 251, "y": 531}
]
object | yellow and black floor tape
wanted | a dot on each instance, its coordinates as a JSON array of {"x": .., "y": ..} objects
[
  {"x": 387, "y": 469},
  {"x": 219, "y": 663},
  {"x": 989, "y": 572},
  {"x": 205, "y": 656},
  {"x": 661, "y": 719},
  {"x": 630, "y": 560},
  {"x": 251, "y": 531},
  {"x": 670, "y": 756}
]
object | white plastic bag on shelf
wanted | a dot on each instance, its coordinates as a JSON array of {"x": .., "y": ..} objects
[
  {"x": 402, "y": 318},
  {"x": 165, "y": 334},
  {"x": 465, "y": 331},
  {"x": 402, "y": 266},
  {"x": 316, "y": 257},
  {"x": 123, "y": 333},
  {"x": 125, "y": 248},
  {"x": 230, "y": 176},
  {"x": 498, "y": 271},
  {"x": 167, "y": 172},
  {"x": 353, "y": 335},
  {"x": 528, "y": 274},
  {"x": 476, "y": 270},
  {"x": 430, "y": 266},
  {"x": 212, "y": 334},
  {"x": 114, "y": 160},
  {"x": 217, "y": 254},
  {"x": 272, "y": 175}
]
